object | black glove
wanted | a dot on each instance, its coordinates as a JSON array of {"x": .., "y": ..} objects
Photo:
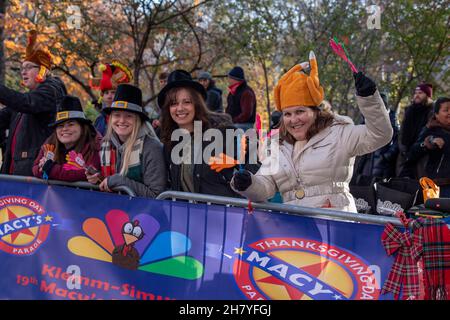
[
  {"x": 242, "y": 180},
  {"x": 364, "y": 85},
  {"x": 48, "y": 165}
]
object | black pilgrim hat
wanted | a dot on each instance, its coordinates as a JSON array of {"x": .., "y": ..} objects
[
  {"x": 70, "y": 109},
  {"x": 178, "y": 79},
  {"x": 128, "y": 98}
]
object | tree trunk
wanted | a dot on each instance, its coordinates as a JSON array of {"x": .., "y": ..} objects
[
  {"x": 266, "y": 79},
  {"x": 136, "y": 73},
  {"x": 2, "y": 54},
  {"x": 401, "y": 91}
]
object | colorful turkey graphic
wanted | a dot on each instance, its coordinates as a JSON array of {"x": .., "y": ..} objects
[
  {"x": 136, "y": 244},
  {"x": 125, "y": 255}
]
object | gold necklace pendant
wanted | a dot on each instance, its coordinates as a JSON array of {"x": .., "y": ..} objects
[{"x": 300, "y": 194}]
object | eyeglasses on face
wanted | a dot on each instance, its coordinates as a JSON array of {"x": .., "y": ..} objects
[{"x": 28, "y": 67}]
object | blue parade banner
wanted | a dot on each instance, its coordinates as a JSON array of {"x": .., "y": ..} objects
[{"x": 63, "y": 243}]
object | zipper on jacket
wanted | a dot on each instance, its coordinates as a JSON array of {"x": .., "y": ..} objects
[{"x": 440, "y": 162}]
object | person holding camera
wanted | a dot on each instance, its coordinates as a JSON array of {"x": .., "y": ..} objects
[{"x": 434, "y": 141}]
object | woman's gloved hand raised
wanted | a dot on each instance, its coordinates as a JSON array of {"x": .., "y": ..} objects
[
  {"x": 364, "y": 85},
  {"x": 242, "y": 180}
]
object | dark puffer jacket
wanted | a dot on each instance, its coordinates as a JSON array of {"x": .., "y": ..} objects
[
  {"x": 416, "y": 117},
  {"x": 380, "y": 163},
  {"x": 33, "y": 112},
  {"x": 242, "y": 105},
  {"x": 438, "y": 164},
  {"x": 214, "y": 99}
]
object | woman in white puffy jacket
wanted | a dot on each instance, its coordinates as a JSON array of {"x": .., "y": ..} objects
[{"x": 314, "y": 162}]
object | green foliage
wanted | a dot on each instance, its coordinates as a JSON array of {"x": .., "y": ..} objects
[
  {"x": 90, "y": 111},
  {"x": 266, "y": 37},
  {"x": 12, "y": 80}
]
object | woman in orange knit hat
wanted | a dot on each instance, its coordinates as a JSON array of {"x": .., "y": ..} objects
[{"x": 317, "y": 149}]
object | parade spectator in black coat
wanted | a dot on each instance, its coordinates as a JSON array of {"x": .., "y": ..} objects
[
  {"x": 380, "y": 163},
  {"x": 27, "y": 115},
  {"x": 416, "y": 117},
  {"x": 213, "y": 94},
  {"x": 434, "y": 141},
  {"x": 241, "y": 100}
]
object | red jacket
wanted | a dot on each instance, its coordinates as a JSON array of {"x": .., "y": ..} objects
[{"x": 58, "y": 173}]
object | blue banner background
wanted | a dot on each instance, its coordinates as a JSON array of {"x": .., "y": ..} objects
[{"x": 215, "y": 232}]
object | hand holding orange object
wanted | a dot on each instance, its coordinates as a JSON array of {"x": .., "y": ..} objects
[
  {"x": 49, "y": 152},
  {"x": 222, "y": 162}
]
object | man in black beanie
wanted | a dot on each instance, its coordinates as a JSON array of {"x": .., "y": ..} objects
[
  {"x": 416, "y": 117},
  {"x": 241, "y": 100}
]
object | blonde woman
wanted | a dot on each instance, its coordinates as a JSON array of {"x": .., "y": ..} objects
[{"x": 130, "y": 154}]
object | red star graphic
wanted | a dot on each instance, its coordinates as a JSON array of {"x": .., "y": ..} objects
[
  {"x": 315, "y": 269},
  {"x": 14, "y": 235},
  {"x": 295, "y": 294}
]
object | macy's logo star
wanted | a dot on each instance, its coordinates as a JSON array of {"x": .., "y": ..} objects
[{"x": 12, "y": 216}]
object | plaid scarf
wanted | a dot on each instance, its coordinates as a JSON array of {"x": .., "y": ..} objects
[
  {"x": 108, "y": 159},
  {"x": 109, "y": 154},
  {"x": 404, "y": 275},
  {"x": 435, "y": 252}
]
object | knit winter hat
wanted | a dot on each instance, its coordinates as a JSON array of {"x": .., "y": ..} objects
[
  {"x": 427, "y": 88},
  {"x": 36, "y": 53},
  {"x": 297, "y": 88},
  {"x": 237, "y": 73},
  {"x": 204, "y": 75}
]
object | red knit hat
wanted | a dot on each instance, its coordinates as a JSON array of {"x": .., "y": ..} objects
[{"x": 427, "y": 88}]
